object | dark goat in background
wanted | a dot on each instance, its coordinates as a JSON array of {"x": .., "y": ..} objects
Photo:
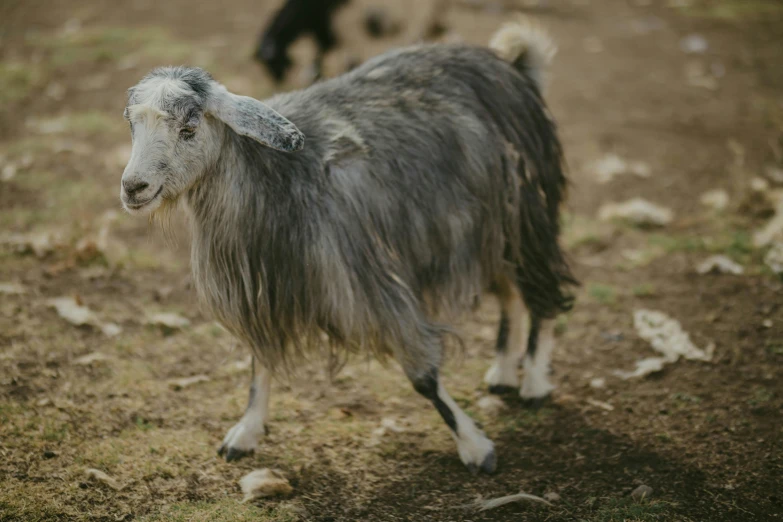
[{"x": 295, "y": 19}]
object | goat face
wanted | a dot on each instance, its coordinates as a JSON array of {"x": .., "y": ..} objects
[{"x": 178, "y": 118}]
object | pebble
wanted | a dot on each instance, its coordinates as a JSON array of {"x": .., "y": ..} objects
[{"x": 642, "y": 492}]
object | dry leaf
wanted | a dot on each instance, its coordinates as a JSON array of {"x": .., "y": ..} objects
[
  {"x": 720, "y": 265},
  {"x": 168, "y": 320},
  {"x": 184, "y": 382},
  {"x": 40, "y": 244},
  {"x": 600, "y": 404},
  {"x": 485, "y": 505},
  {"x": 90, "y": 358},
  {"x": 263, "y": 483},
  {"x": 69, "y": 309},
  {"x": 100, "y": 476},
  {"x": 72, "y": 310},
  {"x": 637, "y": 212},
  {"x": 666, "y": 336},
  {"x": 612, "y": 165}
]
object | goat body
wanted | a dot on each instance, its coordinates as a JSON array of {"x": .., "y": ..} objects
[{"x": 430, "y": 175}]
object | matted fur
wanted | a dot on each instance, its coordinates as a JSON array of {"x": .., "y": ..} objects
[{"x": 417, "y": 190}]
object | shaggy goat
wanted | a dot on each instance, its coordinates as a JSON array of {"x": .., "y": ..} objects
[{"x": 430, "y": 174}]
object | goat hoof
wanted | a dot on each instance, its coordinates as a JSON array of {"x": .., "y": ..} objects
[
  {"x": 231, "y": 454},
  {"x": 502, "y": 389},
  {"x": 490, "y": 463},
  {"x": 487, "y": 466},
  {"x": 536, "y": 403}
]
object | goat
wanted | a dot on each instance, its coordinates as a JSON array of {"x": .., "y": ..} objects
[
  {"x": 297, "y": 18},
  {"x": 430, "y": 175}
]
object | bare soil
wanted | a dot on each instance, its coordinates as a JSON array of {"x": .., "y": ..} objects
[{"x": 705, "y": 436}]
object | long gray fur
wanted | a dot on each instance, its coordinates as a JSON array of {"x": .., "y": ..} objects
[{"x": 428, "y": 176}]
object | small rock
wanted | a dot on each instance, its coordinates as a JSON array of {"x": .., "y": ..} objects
[
  {"x": 766, "y": 323},
  {"x": 759, "y": 184},
  {"x": 552, "y": 496},
  {"x": 12, "y": 288},
  {"x": 49, "y": 454},
  {"x": 774, "y": 258},
  {"x": 717, "y": 199},
  {"x": 642, "y": 492},
  {"x": 491, "y": 404},
  {"x": 8, "y": 173},
  {"x": 598, "y": 383},
  {"x": 694, "y": 44},
  {"x": 263, "y": 483}
]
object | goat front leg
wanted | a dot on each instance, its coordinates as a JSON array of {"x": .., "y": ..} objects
[
  {"x": 475, "y": 450},
  {"x": 243, "y": 438},
  {"x": 420, "y": 361}
]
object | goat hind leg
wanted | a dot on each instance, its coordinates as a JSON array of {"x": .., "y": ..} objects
[
  {"x": 502, "y": 376},
  {"x": 536, "y": 387}
]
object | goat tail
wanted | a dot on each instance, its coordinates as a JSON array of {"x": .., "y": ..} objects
[{"x": 526, "y": 45}]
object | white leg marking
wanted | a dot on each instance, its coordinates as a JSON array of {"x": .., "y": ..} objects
[
  {"x": 503, "y": 371},
  {"x": 536, "y": 383},
  {"x": 475, "y": 450},
  {"x": 243, "y": 437}
]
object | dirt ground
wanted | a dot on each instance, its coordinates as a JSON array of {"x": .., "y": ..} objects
[{"x": 706, "y": 436}]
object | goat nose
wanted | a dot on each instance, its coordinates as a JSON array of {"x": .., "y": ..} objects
[{"x": 132, "y": 187}]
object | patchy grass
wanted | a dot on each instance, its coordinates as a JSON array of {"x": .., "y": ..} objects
[
  {"x": 17, "y": 80},
  {"x": 628, "y": 510},
  {"x": 602, "y": 293},
  {"x": 223, "y": 511},
  {"x": 643, "y": 290},
  {"x": 734, "y": 10},
  {"x": 108, "y": 44},
  {"x": 761, "y": 396}
]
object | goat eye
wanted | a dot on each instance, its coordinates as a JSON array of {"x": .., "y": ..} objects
[{"x": 187, "y": 133}]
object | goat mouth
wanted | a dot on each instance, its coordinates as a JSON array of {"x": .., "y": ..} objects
[{"x": 137, "y": 206}]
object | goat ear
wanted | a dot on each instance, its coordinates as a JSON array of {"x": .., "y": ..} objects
[{"x": 249, "y": 117}]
